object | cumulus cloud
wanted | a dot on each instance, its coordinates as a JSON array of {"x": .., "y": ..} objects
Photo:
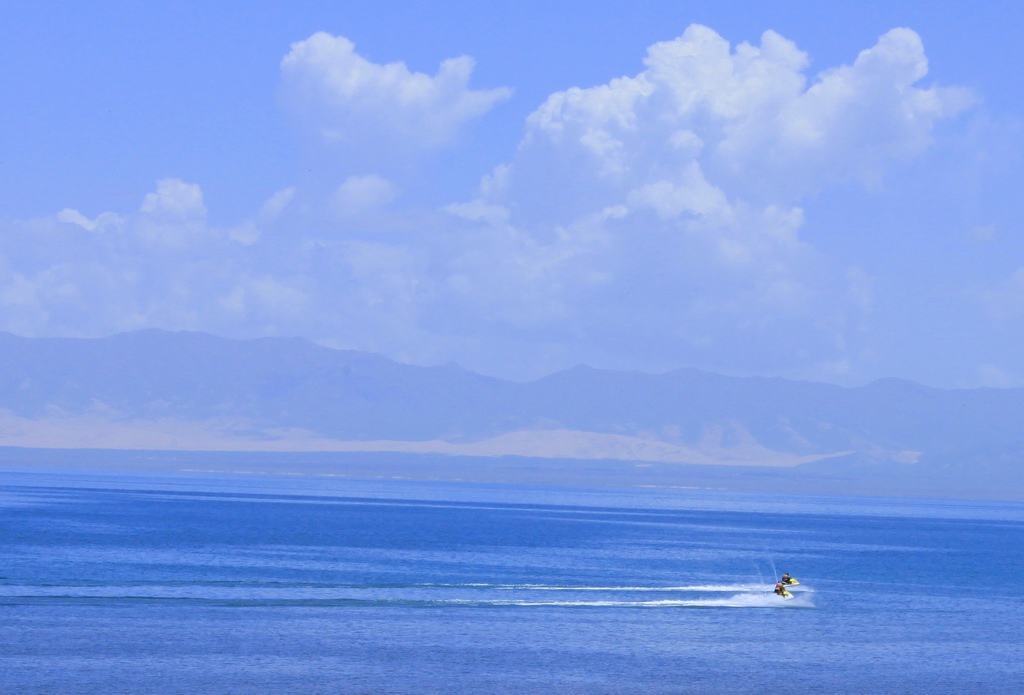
[
  {"x": 749, "y": 119},
  {"x": 173, "y": 216},
  {"x": 358, "y": 195},
  {"x": 347, "y": 98},
  {"x": 175, "y": 200},
  {"x": 706, "y": 155},
  {"x": 652, "y": 221},
  {"x": 75, "y": 217},
  {"x": 73, "y": 275},
  {"x": 277, "y": 203}
]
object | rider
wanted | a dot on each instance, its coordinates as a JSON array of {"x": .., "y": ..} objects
[
  {"x": 786, "y": 579},
  {"x": 780, "y": 589}
]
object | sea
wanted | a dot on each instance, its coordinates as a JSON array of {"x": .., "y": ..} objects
[{"x": 208, "y": 583}]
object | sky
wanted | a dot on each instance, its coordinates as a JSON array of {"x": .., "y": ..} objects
[{"x": 779, "y": 189}]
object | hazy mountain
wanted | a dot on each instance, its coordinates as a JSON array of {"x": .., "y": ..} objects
[{"x": 161, "y": 390}]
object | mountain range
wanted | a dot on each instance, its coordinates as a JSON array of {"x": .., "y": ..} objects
[{"x": 158, "y": 390}]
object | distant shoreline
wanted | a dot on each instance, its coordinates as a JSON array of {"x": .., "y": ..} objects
[{"x": 819, "y": 479}]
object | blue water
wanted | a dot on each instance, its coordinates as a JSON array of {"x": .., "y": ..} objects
[{"x": 119, "y": 584}]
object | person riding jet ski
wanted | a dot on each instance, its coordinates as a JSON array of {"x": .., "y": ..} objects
[
  {"x": 786, "y": 579},
  {"x": 780, "y": 589}
]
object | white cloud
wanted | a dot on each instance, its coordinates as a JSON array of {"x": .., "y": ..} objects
[
  {"x": 103, "y": 221},
  {"x": 479, "y": 211},
  {"x": 75, "y": 217},
  {"x": 358, "y": 195},
  {"x": 350, "y": 99},
  {"x": 747, "y": 116},
  {"x": 690, "y": 194},
  {"x": 652, "y": 221},
  {"x": 273, "y": 209},
  {"x": 264, "y": 295},
  {"x": 174, "y": 199},
  {"x": 707, "y": 155},
  {"x": 173, "y": 217},
  {"x": 277, "y": 203}
]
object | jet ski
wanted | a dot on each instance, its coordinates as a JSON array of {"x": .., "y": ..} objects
[{"x": 781, "y": 592}]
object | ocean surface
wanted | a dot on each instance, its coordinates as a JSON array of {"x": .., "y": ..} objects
[{"x": 261, "y": 584}]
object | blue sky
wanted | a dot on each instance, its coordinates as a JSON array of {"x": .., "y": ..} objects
[{"x": 521, "y": 187}]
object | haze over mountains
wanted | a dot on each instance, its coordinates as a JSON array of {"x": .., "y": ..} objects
[{"x": 159, "y": 390}]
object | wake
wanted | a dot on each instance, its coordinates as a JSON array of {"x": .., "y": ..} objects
[
  {"x": 737, "y": 601},
  {"x": 742, "y": 595},
  {"x": 705, "y": 588},
  {"x": 711, "y": 595}
]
